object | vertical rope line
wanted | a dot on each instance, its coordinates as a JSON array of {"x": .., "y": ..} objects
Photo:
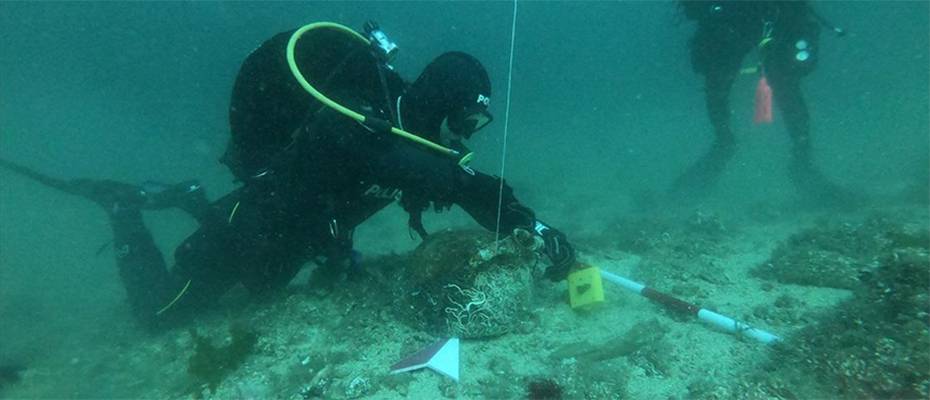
[{"x": 500, "y": 190}]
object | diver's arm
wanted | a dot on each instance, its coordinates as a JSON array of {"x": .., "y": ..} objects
[
  {"x": 428, "y": 175},
  {"x": 480, "y": 197},
  {"x": 434, "y": 177}
]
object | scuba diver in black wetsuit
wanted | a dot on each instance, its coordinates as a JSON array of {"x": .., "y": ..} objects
[
  {"x": 310, "y": 175},
  {"x": 786, "y": 34}
]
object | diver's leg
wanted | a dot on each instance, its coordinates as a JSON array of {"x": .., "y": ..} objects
[
  {"x": 148, "y": 284},
  {"x": 786, "y": 91},
  {"x": 717, "y": 97},
  {"x": 718, "y": 59},
  {"x": 209, "y": 262},
  {"x": 141, "y": 265},
  {"x": 203, "y": 272},
  {"x": 150, "y": 288},
  {"x": 793, "y": 55},
  {"x": 787, "y": 61},
  {"x": 188, "y": 196},
  {"x": 812, "y": 185}
]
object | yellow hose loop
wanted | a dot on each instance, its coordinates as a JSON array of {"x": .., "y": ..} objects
[
  {"x": 292, "y": 63},
  {"x": 295, "y": 70}
]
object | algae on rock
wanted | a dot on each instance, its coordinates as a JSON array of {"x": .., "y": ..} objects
[
  {"x": 877, "y": 345},
  {"x": 837, "y": 254},
  {"x": 210, "y": 364},
  {"x": 463, "y": 283}
]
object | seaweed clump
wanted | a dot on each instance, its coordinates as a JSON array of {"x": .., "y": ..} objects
[
  {"x": 879, "y": 345},
  {"x": 876, "y": 346},
  {"x": 210, "y": 364},
  {"x": 543, "y": 389},
  {"x": 838, "y": 254}
]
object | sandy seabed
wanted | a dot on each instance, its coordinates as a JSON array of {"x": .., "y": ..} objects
[{"x": 340, "y": 343}]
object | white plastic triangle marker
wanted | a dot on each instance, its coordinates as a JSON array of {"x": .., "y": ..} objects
[{"x": 442, "y": 357}]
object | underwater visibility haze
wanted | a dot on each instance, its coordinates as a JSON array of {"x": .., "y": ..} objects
[{"x": 603, "y": 124}]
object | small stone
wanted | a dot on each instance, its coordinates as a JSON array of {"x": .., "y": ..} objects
[{"x": 358, "y": 387}]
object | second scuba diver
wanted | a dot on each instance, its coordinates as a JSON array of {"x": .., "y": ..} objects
[{"x": 786, "y": 36}]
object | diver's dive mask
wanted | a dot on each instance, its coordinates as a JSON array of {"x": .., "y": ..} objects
[
  {"x": 467, "y": 121},
  {"x": 470, "y": 118}
]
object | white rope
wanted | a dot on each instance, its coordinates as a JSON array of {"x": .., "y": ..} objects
[{"x": 500, "y": 191}]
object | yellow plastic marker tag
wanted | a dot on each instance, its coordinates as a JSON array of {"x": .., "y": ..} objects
[{"x": 585, "y": 287}]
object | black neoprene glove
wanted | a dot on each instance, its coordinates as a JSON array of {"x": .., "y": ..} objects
[{"x": 559, "y": 251}]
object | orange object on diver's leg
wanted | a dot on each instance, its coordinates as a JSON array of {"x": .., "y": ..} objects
[{"x": 763, "y": 114}]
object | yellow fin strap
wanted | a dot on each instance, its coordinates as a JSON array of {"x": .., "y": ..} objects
[{"x": 176, "y": 298}]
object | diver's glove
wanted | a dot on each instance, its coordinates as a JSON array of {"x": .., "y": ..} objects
[{"x": 559, "y": 251}]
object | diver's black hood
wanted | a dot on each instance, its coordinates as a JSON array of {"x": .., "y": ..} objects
[{"x": 453, "y": 81}]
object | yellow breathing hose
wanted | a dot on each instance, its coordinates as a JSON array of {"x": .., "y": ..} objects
[{"x": 292, "y": 63}]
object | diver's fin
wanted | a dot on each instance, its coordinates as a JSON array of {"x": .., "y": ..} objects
[
  {"x": 106, "y": 193},
  {"x": 46, "y": 180}
]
